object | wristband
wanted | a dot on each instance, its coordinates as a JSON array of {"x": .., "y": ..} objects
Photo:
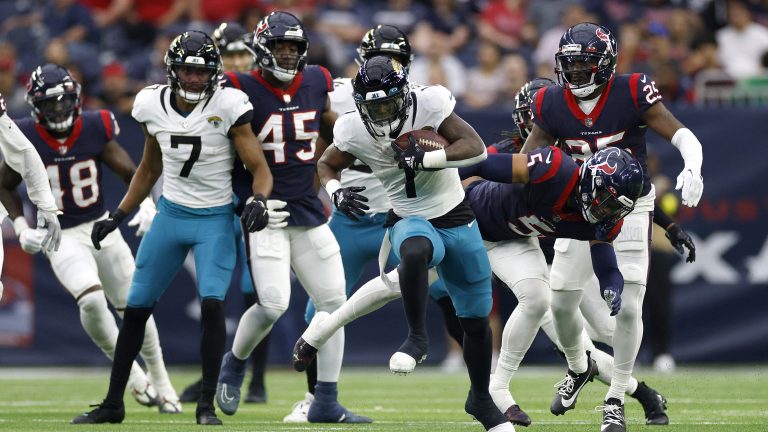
[{"x": 332, "y": 186}]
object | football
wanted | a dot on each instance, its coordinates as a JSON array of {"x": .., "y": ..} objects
[{"x": 428, "y": 140}]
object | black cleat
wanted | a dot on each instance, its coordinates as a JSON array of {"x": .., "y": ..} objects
[
  {"x": 102, "y": 413},
  {"x": 256, "y": 395},
  {"x": 569, "y": 388},
  {"x": 613, "y": 416},
  {"x": 192, "y": 392},
  {"x": 206, "y": 415},
  {"x": 303, "y": 355},
  {"x": 517, "y": 416},
  {"x": 654, "y": 405},
  {"x": 486, "y": 412}
]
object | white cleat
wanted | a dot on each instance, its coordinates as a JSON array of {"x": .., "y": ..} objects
[
  {"x": 402, "y": 364},
  {"x": 300, "y": 409},
  {"x": 504, "y": 427}
]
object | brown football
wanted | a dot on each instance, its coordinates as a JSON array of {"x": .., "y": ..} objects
[{"x": 427, "y": 139}]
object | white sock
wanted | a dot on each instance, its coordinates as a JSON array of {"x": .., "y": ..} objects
[
  {"x": 153, "y": 358},
  {"x": 255, "y": 323},
  {"x": 569, "y": 325},
  {"x": 329, "y": 358},
  {"x": 626, "y": 339},
  {"x": 373, "y": 295}
]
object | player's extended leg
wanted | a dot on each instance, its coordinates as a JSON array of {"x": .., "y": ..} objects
[
  {"x": 418, "y": 246},
  {"x": 76, "y": 268},
  {"x": 632, "y": 255},
  {"x": 317, "y": 263},
  {"x": 520, "y": 264},
  {"x": 571, "y": 269},
  {"x": 269, "y": 257},
  {"x": 466, "y": 271},
  {"x": 160, "y": 256},
  {"x": 116, "y": 267}
]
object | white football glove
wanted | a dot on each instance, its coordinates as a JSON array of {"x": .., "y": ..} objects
[
  {"x": 692, "y": 184},
  {"x": 277, "y": 215},
  {"x": 31, "y": 240},
  {"x": 144, "y": 217},
  {"x": 48, "y": 221}
]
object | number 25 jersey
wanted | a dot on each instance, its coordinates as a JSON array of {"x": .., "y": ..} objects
[{"x": 198, "y": 155}]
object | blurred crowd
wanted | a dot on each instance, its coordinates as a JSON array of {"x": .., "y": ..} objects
[{"x": 482, "y": 50}]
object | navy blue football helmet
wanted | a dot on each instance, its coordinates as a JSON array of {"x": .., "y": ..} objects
[
  {"x": 385, "y": 40},
  {"x": 231, "y": 37},
  {"x": 610, "y": 182},
  {"x": 382, "y": 95},
  {"x": 522, "y": 113},
  {"x": 586, "y": 58},
  {"x": 193, "y": 49},
  {"x": 280, "y": 27},
  {"x": 54, "y": 96}
]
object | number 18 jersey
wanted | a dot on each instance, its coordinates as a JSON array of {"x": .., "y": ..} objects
[{"x": 197, "y": 153}]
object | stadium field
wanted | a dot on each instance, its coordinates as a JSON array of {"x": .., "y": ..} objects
[{"x": 699, "y": 400}]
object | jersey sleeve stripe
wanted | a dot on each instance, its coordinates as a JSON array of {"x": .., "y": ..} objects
[
  {"x": 616, "y": 230},
  {"x": 540, "y": 101},
  {"x": 557, "y": 159},
  {"x": 234, "y": 80},
  {"x": 106, "y": 119},
  {"x": 633, "y": 88},
  {"x": 328, "y": 78},
  {"x": 557, "y": 208}
]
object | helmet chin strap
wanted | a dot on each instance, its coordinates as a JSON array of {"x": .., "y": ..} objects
[
  {"x": 191, "y": 97},
  {"x": 582, "y": 92},
  {"x": 62, "y": 125},
  {"x": 283, "y": 75}
]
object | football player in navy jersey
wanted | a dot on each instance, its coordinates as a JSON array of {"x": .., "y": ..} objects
[
  {"x": 590, "y": 110},
  {"x": 193, "y": 128},
  {"x": 20, "y": 156},
  {"x": 73, "y": 146},
  {"x": 293, "y": 122}
]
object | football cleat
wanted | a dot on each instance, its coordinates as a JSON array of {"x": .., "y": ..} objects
[
  {"x": 300, "y": 409},
  {"x": 169, "y": 406},
  {"x": 654, "y": 405},
  {"x": 230, "y": 380},
  {"x": 256, "y": 395},
  {"x": 206, "y": 415},
  {"x": 303, "y": 355},
  {"x": 102, "y": 413},
  {"x": 410, "y": 353},
  {"x": 613, "y": 416},
  {"x": 517, "y": 416},
  {"x": 143, "y": 391},
  {"x": 485, "y": 411},
  {"x": 569, "y": 388},
  {"x": 333, "y": 413}
]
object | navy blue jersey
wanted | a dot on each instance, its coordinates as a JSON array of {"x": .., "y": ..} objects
[
  {"x": 74, "y": 166},
  {"x": 287, "y": 123},
  {"x": 615, "y": 121},
  {"x": 537, "y": 208}
]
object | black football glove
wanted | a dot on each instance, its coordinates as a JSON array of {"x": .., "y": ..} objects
[
  {"x": 102, "y": 228},
  {"x": 349, "y": 202},
  {"x": 410, "y": 159},
  {"x": 255, "y": 216},
  {"x": 679, "y": 238}
]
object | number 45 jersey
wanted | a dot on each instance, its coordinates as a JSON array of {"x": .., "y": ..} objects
[
  {"x": 74, "y": 164},
  {"x": 198, "y": 155},
  {"x": 615, "y": 121}
]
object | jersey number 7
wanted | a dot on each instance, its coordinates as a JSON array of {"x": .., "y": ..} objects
[{"x": 196, "y": 144}]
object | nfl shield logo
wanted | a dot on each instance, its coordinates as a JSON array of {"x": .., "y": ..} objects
[
  {"x": 63, "y": 150},
  {"x": 588, "y": 121}
]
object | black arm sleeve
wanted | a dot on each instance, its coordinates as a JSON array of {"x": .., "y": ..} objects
[{"x": 660, "y": 218}]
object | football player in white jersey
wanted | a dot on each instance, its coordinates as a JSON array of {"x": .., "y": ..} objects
[
  {"x": 73, "y": 144},
  {"x": 431, "y": 224},
  {"x": 192, "y": 129},
  {"x": 19, "y": 154}
]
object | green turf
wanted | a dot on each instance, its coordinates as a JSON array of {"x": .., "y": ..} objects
[{"x": 700, "y": 400}]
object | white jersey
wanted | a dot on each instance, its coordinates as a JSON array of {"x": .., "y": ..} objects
[
  {"x": 437, "y": 192},
  {"x": 359, "y": 174},
  {"x": 20, "y": 155},
  {"x": 198, "y": 155}
]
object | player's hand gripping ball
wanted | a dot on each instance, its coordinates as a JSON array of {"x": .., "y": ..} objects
[{"x": 410, "y": 148}]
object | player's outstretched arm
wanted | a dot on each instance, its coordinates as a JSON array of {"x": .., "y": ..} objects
[
  {"x": 676, "y": 235},
  {"x": 536, "y": 139},
  {"x": 664, "y": 123},
  {"x": 348, "y": 199},
  {"x": 608, "y": 275},
  {"x": 119, "y": 161},
  {"x": 500, "y": 168},
  {"x": 465, "y": 148},
  {"x": 252, "y": 155}
]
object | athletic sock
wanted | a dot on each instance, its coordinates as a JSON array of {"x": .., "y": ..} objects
[
  {"x": 211, "y": 346},
  {"x": 126, "y": 349}
]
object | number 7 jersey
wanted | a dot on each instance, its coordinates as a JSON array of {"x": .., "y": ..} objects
[{"x": 198, "y": 155}]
